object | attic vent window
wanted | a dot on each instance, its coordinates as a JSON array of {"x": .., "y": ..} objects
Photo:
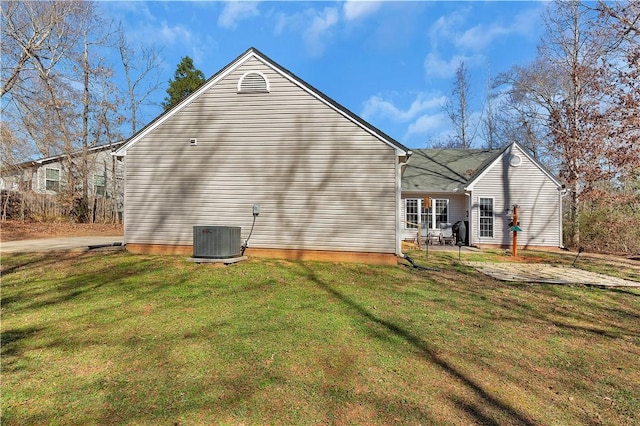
[
  {"x": 253, "y": 82},
  {"x": 515, "y": 160}
]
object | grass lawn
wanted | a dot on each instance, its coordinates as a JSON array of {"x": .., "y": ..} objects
[{"x": 113, "y": 338}]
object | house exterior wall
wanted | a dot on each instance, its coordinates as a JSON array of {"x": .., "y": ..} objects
[
  {"x": 528, "y": 187},
  {"x": 99, "y": 163},
  {"x": 31, "y": 176},
  {"x": 322, "y": 182},
  {"x": 20, "y": 179}
]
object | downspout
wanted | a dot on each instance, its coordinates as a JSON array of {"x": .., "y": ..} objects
[
  {"x": 399, "y": 252},
  {"x": 563, "y": 193},
  {"x": 120, "y": 157},
  {"x": 469, "y": 194}
]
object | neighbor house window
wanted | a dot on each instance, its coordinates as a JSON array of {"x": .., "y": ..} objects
[
  {"x": 52, "y": 180},
  {"x": 99, "y": 184},
  {"x": 416, "y": 208},
  {"x": 486, "y": 217}
]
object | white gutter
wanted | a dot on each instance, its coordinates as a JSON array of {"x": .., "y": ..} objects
[
  {"x": 563, "y": 193},
  {"x": 399, "y": 252}
]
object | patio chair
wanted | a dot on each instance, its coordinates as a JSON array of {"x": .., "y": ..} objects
[
  {"x": 433, "y": 236},
  {"x": 446, "y": 234}
]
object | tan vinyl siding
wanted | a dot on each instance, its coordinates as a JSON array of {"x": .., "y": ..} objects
[
  {"x": 536, "y": 195},
  {"x": 322, "y": 182}
]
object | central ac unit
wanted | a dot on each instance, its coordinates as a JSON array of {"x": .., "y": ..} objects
[{"x": 217, "y": 242}]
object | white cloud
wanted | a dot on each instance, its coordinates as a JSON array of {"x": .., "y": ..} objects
[
  {"x": 235, "y": 11},
  {"x": 445, "y": 28},
  {"x": 170, "y": 34},
  {"x": 316, "y": 27},
  {"x": 481, "y": 36},
  {"x": 319, "y": 32},
  {"x": 428, "y": 123},
  {"x": 376, "y": 106},
  {"x": 434, "y": 66},
  {"x": 356, "y": 9},
  {"x": 451, "y": 29}
]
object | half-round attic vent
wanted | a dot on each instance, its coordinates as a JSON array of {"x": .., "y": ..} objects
[{"x": 253, "y": 82}]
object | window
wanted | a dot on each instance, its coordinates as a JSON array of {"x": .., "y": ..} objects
[
  {"x": 99, "y": 184},
  {"x": 412, "y": 213},
  {"x": 486, "y": 217},
  {"x": 441, "y": 212},
  {"x": 427, "y": 218},
  {"x": 52, "y": 180}
]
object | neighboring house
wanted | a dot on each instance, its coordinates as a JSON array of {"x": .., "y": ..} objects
[
  {"x": 480, "y": 187},
  {"x": 326, "y": 181},
  {"x": 49, "y": 175}
]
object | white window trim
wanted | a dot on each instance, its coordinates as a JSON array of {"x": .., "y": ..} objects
[
  {"x": 420, "y": 202},
  {"x": 96, "y": 186},
  {"x": 46, "y": 179},
  {"x": 493, "y": 217}
]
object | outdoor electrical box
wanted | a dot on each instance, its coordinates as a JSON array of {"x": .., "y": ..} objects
[{"x": 256, "y": 209}]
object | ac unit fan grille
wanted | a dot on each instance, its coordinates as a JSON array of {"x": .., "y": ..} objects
[{"x": 216, "y": 242}]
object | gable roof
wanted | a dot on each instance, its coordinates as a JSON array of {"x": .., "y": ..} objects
[
  {"x": 501, "y": 153},
  {"x": 401, "y": 150},
  {"x": 55, "y": 158},
  {"x": 456, "y": 170},
  {"x": 444, "y": 170}
]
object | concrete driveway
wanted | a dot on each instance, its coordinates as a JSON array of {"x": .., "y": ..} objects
[{"x": 59, "y": 244}]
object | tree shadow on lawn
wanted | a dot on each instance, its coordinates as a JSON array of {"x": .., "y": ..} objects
[
  {"x": 73, "y": 285},
  {"x": 518, "y": 305},
  {"x": 488, "y": 400},
  {"x": 13, "y": 262}
]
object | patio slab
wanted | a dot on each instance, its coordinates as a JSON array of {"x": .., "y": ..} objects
[{"x": 547, "y": 273}]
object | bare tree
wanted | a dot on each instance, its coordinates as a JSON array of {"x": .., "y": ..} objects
[
  {"x": 457, "y": 108},
  {"x": 560, "y": 91},
  {"x": 141, "y": 70},
  {"x": 489, "y": 124},
  {"x": 36, "y": 36}
]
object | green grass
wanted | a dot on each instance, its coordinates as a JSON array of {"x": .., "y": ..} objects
[{"x": 113, "y": 338}]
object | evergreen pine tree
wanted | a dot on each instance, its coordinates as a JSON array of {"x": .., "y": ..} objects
[{"x": 185, "y": 81}]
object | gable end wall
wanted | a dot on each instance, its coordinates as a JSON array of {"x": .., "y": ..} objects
[
  {"x": 536, "y": 195},
  {"x": 322, "y": 182}
]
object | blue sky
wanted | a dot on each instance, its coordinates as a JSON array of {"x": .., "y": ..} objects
[{"x": 390, "y": 62}]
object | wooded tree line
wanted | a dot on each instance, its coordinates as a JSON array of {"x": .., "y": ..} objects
[
  {"x": 57, "y": 87},
  {"x": 577, "y": 108}
]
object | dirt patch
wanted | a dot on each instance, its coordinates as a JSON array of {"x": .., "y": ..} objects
[{"x": 16, "y": 231}]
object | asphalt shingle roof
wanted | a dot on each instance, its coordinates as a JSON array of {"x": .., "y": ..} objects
[{"x": 445, "y": 170}]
